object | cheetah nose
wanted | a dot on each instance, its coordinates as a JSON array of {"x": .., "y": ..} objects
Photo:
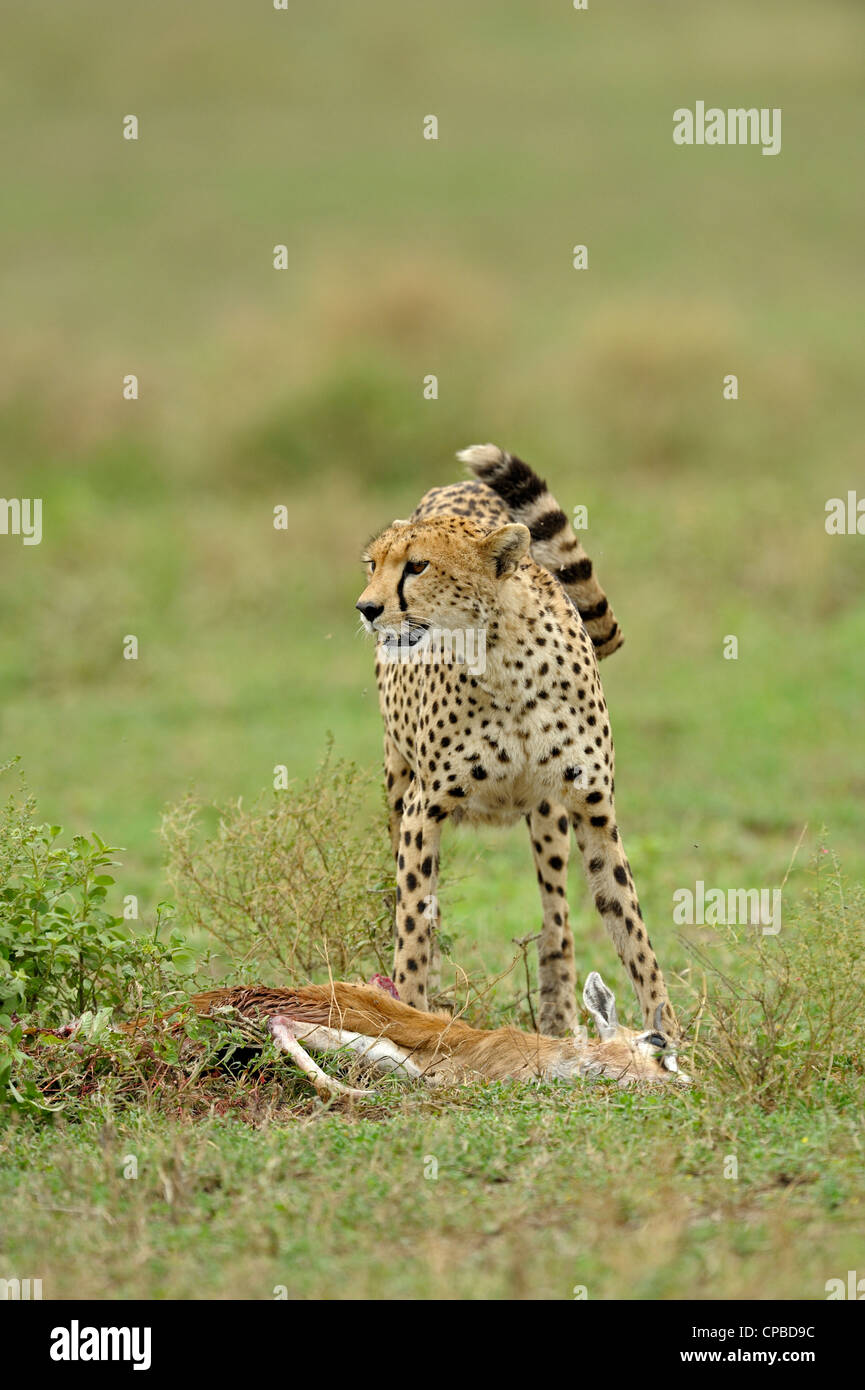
[{"x": 370, "y": 611}]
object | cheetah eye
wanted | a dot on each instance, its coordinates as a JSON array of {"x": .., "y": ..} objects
[
  {"x": 371, "y": 563},
  {"x": 415, "y": 566}
]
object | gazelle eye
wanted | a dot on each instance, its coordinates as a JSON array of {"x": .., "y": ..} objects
[
  {"x": 656, "y": 1040},
  {"x": 415, "y": 566}
]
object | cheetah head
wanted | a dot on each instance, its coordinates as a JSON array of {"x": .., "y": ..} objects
[{"x": 442, "y": 573}]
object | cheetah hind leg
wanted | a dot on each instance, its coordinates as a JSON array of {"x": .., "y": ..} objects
[{"x": 612, "y": 886}]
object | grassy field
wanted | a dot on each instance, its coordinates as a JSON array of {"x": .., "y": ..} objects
[
  {"x": 538, "y": 1190},
  {"x": 303, "y": 387}
]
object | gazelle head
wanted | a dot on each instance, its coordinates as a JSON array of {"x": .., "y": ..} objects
[{"x": 619, "y": 1053}]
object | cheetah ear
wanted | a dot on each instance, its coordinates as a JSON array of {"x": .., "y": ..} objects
[
  {"x": 506, "y": 547},
  {"x": 601, "y": 1004}
]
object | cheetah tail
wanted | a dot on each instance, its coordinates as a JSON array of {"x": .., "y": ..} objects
[{"x": 554, "y": 542}]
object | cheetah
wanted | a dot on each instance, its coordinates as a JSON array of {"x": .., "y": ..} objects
[{"x": 520, "y": 730}]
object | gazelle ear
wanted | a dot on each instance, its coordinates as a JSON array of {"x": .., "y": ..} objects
[
  {"x": 601, "y": 1004},
  {"x": 505, "y": 548}
]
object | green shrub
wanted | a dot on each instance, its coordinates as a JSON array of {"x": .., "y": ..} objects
[
  {"x": 296, "y": 886},
  {"x": 788, "y": 1023},
  {"x": 62, "y": 950},
  {"x": 64, "y": 954}
]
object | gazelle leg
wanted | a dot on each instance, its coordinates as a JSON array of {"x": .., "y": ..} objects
[
  {"x": 284, "y": 1035},
  {"x": 379, "y": 1054}
]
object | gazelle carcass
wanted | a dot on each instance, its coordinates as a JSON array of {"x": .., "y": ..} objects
[{"x": 388, "y": 1037}]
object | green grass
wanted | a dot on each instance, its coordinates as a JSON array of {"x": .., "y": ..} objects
[
  {"x": 304, "y": 388},
  {"x": 539, "y": 1189}
]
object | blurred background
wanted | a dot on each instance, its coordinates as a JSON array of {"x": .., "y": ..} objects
[{"x": 304, "y": 387}]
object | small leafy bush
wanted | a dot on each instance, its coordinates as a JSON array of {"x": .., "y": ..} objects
[
  {"x": 177, "y": 1063},
  {"x": 63, "y": 952},
  {"x": 298, "y": 884},
  {"x": 788, "y": 1023}
]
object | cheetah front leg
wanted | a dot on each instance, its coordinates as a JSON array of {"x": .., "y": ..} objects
[
  {"x": 557, "y": 982},
  {"x": 612, "y": 886},
  {"x": 397, "y": 776},
  {"x": 416, "y": 899}
]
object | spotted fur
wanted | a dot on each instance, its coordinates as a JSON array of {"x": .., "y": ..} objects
[{"x": 527, "y": 735}]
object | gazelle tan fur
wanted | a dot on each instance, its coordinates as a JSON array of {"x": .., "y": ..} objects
[{"x": 389, "y": 1037}]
